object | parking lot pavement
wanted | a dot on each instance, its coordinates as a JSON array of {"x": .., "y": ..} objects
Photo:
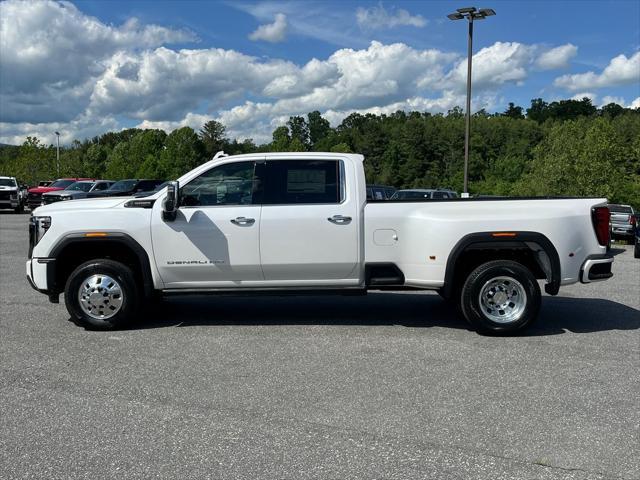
[{"x": 390, "y": 386}]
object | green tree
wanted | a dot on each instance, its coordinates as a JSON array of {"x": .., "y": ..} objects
[
  {"x": 183, "y": 151},
  {"x": 513, "y": 111},
  {"x": 299, "y": 131},
  {"x": 213, "y": 137},
  {"x": 319, "y": 128},
  {"x": 281, "y": 140}
]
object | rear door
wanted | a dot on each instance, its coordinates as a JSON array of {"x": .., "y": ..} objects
[{"x": 309, "y": 229}]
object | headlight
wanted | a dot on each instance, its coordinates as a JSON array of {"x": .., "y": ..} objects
[{"x": 38, "y": 226}]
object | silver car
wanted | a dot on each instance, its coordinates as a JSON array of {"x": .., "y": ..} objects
[
  {"x": 623, "y": 221},
  {"x": 76, "y": 191}
]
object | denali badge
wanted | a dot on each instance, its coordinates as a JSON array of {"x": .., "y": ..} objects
[{"x": 194, "y": 262}]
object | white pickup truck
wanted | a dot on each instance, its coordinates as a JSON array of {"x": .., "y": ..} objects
[{"x": 300, "y": 223}]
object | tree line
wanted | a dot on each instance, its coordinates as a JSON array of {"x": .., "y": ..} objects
[{"x": 568, "y": 147}]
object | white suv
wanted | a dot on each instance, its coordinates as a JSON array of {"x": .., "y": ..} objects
[{"x": 10, "y": 194}]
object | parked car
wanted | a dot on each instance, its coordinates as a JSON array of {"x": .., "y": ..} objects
[
  {"x": 380, "y": 192},
  {"x": 126, "y": 188},
  {"x": 34, "y": 197},
  {"x": 423, "y": 194},
  {"x": 275, "y": 223},
  {"x": 10, "y": 194},
  {"x": 45, "y": 183},
  {"x": 623, "y": 221},
  {"x": 76, "y": 191}
]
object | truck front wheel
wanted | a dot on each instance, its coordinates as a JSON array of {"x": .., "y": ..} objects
[
  {"x": 101, "y": 294},
  {"x": 500, "y": 297}
]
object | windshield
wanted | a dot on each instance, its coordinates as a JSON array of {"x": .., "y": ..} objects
[
  {"x": 62, "y": 183},
  {"x": 7, "y": 182},
  {"x": 80, "y": 186},
  {"x": 122, "y": 185},
  {"x": 620, "y": 209},
  {"x": 151, "y": 192}
]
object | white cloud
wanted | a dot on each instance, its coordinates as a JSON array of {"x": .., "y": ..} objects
[
  {"x": 622, "y": 70},
  {"x": 502, "y": 62},
  {"x": 51, "y": 54},
  {"x": 590, "y": 95},
  {"x": 272, "y": 32},
  {"x": 63, "y": 70},
  {"x": 635, "y": 103},
  {"x": 377, "y": 17},
  {"x": 607, "y": 99},
  {"x": 82, "y": 127},
  {"x": 163, "y": 84},
  {"x": 557, "y": 57}
]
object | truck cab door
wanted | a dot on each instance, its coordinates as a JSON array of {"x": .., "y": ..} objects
[
  {"x": 214, "y": 240},
  {"x": 310, "y": 224}
]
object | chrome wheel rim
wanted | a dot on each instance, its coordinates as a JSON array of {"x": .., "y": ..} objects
[
  {"x": 503, "y": 300},
  {"x": 100, "y": 296}
]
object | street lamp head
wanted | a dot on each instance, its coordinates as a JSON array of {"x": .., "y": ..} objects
[
  {"x": 478, "y": 16},
  {"x": 57, "y": 133},
  {"x": 467, "y": 10},
  {"x": 455, "y": 16},
  {"x": 487, "y": 12}
]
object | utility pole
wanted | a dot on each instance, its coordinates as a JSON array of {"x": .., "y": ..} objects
[
  {"x": 471, "y": 14},
  {"x": 58, "y": 153}
]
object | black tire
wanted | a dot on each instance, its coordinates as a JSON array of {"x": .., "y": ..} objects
[
  {"x": 124, "y": 277},
  {"x": 475, "y": 313},
  {"x": 636, "y": 250},
  {"x": 18, "y": 209}
]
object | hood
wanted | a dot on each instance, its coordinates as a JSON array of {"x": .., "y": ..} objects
[
  {"x": 70, "y": 193},
  {"x": 110, "y": 193},
  {"x": 44, "y": 189},
  {"x": 80, "y": 204}
]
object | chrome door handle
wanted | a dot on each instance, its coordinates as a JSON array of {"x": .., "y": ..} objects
[
  {"x": 339, "y": 219},
  {"x": 242, "y": 221}
]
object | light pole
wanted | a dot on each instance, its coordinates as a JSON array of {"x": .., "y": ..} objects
[
  {"x": 58, "y": 152},
  {"x": 471, "y": 14}
]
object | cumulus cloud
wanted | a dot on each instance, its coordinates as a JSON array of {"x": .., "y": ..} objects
[
  {"x": 378, "y": 17},
  {"x": 51, "y": 54},
  {"x": 557, "y": 57},
  {"x": 272, "y": 32},
  {"x": 63, "y": 70},
  {"x": 502, "y": 62},
  {"x": 622, "y": 70},
  {"x": 635, "y": 103},
  {"x": 590, "y": 95},
  {"x": 162, "y": 84}
]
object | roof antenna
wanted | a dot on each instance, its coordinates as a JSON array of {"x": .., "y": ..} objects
[{"x": 220, "y": 154}]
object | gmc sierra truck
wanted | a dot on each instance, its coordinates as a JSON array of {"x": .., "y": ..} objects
[{"x": 300, "y": 223}]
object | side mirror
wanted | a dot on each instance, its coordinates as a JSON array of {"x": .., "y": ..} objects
[{"x": 171, "y": 202}]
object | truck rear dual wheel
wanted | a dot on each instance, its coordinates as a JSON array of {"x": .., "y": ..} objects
[
  {"x": 101, "y": 294},
  {"x": 500, "y": 297}
]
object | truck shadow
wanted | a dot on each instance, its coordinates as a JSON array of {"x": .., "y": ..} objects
[{"x": 558, "y": 314}]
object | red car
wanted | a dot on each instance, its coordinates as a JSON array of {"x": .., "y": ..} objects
[{"x": 34, "y": 198}]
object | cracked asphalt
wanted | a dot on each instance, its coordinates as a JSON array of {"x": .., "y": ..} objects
[{"x": 388, "y": 386}]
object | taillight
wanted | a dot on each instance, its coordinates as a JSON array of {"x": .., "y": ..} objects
[
  {"x": 632, "y": 220},
  {"x": 600, "y": 217}
]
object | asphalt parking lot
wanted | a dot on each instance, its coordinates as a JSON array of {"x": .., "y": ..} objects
[{"x": 388, "y": 386}]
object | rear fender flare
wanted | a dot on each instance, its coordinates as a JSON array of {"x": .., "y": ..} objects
[{"x": 545, "y": 254}]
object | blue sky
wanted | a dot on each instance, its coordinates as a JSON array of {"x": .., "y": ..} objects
[{"x": 90, "y": 66}]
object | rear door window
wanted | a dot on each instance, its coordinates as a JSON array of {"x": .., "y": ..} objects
[{"x": 299, "y": 182}]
